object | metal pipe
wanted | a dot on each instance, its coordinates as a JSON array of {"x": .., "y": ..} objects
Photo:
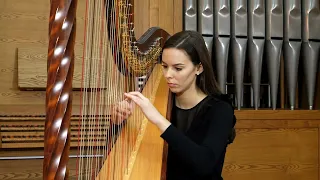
[
  {"x": 274, "y": 40},
  {"x": 222, "y": 18},
  {"x": 256, "y": 35},
  {"x": 239, "y": 47},
  {"x": 310, "y": 45},
  {"x": 292, "y": 46},
  {"x": 205, "y": 9},
  {"x": 190, "y": 15},
  {"x": 239, "y": 24},
  {"x": 222, "y": 40},
  {"x": 255, "y": 53},
  {"x": 310, "y": 51},
  {"x": 256, "y": 18},
  {"x": 310, "y": 20},
  {"x": 273, "y": 54},
  {"x": 274, "y": 19},
  {"x": 238, "y": 42},
  {"x": 291, "y": 56},
  {"x": 221, "y": 58},
  {"x": 292, "y": 20},
  {"x": 208, "y": 41}
]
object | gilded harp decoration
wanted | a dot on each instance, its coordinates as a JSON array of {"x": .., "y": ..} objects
[{"x": 113, "y": 60}]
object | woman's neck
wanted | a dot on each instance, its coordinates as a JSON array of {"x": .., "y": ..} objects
[{"x": 189, "y": 98}]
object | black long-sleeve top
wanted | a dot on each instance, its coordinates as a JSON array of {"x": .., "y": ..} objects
[{"x": 197, "y": 140}]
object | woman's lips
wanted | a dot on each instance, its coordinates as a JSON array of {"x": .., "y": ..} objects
[{"x": 172, "y": 85}]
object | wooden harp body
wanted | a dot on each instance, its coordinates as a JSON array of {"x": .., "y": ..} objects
[{"x": 113, "y": 60}]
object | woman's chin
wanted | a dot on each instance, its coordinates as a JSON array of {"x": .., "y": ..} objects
[{"x": 174, "y": 90}]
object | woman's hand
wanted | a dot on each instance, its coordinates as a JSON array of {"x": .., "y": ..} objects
[
  {"x": 148, "y": 110},
  {"x": 121, "y": 111}
]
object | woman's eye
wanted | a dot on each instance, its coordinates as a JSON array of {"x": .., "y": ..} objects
[
  {"x": 164, "y": 66},
  {"x": 178, "y": 69}
]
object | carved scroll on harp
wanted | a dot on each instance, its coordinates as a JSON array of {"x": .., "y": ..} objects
[{"x": 112, "y": 60}]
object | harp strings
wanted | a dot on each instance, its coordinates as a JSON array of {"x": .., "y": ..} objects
[{"x": 108, "y": 43}]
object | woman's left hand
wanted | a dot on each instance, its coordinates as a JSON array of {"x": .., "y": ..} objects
[{"x": 148, "y": 109}]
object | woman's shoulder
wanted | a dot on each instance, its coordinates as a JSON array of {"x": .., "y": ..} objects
[
  {"x": 220, "y": 102},
  {"x": 215, "y": 107}
]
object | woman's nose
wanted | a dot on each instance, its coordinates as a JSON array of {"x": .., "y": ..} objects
[{"x": 168, "y": 73}]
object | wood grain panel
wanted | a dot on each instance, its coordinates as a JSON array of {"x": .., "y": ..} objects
[
  {"x": 154, "y": 13},
  {"x": 27, "y": 132},
  {"x": 177, "y": 13},
  {"x": 32, "y": 68},
  {"x": 166, "y": 16},
  {"x": 24, "y": 24},
  {"x": 280, "y": 154},
  {"x": 273, "y": 124},
  {"x": 278, "y": 114}
]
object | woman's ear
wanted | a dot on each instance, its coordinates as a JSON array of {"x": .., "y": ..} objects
[{"x": 199, "y": 69}]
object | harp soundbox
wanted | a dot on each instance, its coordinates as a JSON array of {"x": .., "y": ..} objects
[{"x": 113, "y": 62}]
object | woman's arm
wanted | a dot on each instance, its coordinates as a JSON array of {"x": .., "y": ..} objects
[
  {"x": 202, "y": 157},
  {"x": 205, "y": 156}
]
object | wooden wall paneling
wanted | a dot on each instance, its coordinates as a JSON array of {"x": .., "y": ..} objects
[
  {"x": 32, "y": 72},
  {"x": 23, "y": 32},
  {"x": 155, "y": 13},
  {"x": 141, "y": 16},
  {"x": 25, "y": 26},
  {"x": 177, "y": 13},
  {"x": 273, "y": 153},
  {"x": 278, "y": 114},
  {"x": 166, "y": 15},
  {"x": 280, "y": 144},
  {"x": 28, "y": 132}
]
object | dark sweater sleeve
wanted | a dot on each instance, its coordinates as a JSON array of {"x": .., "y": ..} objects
[{"x": 203, "y": 157}]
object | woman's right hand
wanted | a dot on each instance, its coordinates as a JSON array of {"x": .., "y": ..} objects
[{"x": 121, "y": 111}]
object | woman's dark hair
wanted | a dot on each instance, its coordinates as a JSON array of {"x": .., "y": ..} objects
[{"x": 194, "y": 45}]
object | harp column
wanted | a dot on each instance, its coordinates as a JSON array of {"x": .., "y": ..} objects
[
  {"x": 221, "y": 40},
  {"x": 274, "y": 34},
  {"x": 292, "y": 46},
  {"x": 310, "y": 45},
  {"x": 238, "y": 45},
  {"x": 256, "y": 36}
]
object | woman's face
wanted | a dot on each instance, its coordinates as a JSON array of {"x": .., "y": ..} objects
[{"x": 178, "y": 70}]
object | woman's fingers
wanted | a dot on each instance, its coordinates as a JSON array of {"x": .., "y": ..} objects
[
  {"x": 134, "y": 98},
  {"x": 124, "y": 106},
  {"x": 118, "y": 118},
  {"x": 124, "y": 111},
  {"x": 138, "y": 94}
]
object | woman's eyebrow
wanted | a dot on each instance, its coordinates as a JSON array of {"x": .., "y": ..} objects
[{"x": 178, "y": 64}]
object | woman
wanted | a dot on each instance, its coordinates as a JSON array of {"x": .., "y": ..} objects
[{"x": 201, "y": 121}]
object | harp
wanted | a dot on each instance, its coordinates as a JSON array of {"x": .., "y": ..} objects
[{"x": 113, "y": 62}]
